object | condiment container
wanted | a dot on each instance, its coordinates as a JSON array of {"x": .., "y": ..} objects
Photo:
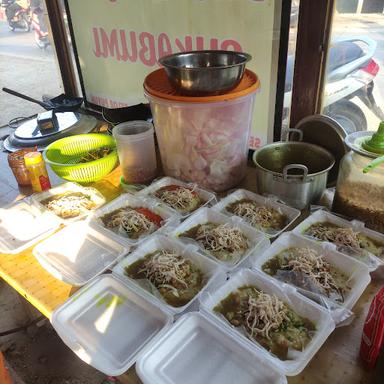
[
  {"x": 195, "y": 350},
  {"x": 203, "y": 139},
  {"x": 207, "y": 197},
  {"x": 360, "y": 195},
  {"x": 356, "y": 272},
  {"x": 77, "y": 253},
  {"x": 290, "y": 213},
  {"x": 107, "y": 324},
  {"x": 136, "y": 149},
  {"x": 257, "y": 241},
  {"x": 95, "y": 196},
  {"x": 373, "y": 262},
  {"x": 37, "y": 171},
  {"x": 17, "y": 164},
  {"x": 170, "y": 218},
  {"x": 209, "y": 268},
  {"x": 22, "y": 224},
  {"x": 296, "y": 172},
  {"x": 298, "y": 303}
]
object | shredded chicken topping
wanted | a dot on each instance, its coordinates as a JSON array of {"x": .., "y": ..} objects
[
  {"x": 165, "y": 269},
  {"x": 342, "y": 236},
  {"x": 308, "y": 261},
  {"x": 265, "y": 313},
  {"x": 69, "y": 204},
  {"x": 130, "y": 220},
  {"x": 255, "y": 215},
  {"x": 222, "y": 238},
  {"x": 179, "y": 198}
]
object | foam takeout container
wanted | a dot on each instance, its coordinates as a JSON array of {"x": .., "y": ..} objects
[
  {"x": 291, "y": 213},
  {"x": 97, "y": 198},
  {"x": 170, "y": 218},
  {"x": 357, "y": 272},
  {"x": 257, "y": 241},
  {"x": 195, "y": 350},
  {"x": 300, "y": 304},
  {"x": 210, "y": 269},
  {"x": 78, "y": 253},
  {"x": 206, "y": 196},
  {"x": 22, "y": 224},
  {"x": 373, "y": 262}
]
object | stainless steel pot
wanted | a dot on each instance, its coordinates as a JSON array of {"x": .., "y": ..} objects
[{"x": 294, "y": 171}]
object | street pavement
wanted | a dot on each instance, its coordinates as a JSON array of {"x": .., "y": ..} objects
[{"x": 26, "y": 68}]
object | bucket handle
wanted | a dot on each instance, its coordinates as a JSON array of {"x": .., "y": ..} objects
[
  {"x": 287, "y": 133},
  {"x": 301, "y": 167}
]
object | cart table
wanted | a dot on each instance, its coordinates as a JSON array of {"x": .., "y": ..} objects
[{"x": 336, "y": 362}]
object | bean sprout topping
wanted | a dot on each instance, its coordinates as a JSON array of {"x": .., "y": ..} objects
[
  {"x": 178, "y": 198},
  {"x": 342, "y": 236}
]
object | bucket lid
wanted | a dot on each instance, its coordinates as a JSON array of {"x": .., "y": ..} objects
[{"x": 157, "y": 84}]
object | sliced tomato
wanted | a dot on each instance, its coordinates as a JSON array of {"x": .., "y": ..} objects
[
  {"x": 174, "y": 187},
  {"x": 156, "y": 219}
]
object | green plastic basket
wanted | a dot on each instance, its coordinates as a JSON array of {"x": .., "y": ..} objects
[{"x": 63, "y": 156}]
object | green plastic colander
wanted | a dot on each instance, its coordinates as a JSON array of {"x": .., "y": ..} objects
[{"x": 64, "y": 155}]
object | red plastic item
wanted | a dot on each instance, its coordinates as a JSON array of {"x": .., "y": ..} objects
[{"x": 373, "y": 332}]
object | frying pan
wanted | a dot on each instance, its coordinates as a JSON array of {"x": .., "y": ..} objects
[{"x": 59, "y": 103}]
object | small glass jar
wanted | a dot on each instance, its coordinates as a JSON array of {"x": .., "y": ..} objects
[{"x": 360, "y": 195}]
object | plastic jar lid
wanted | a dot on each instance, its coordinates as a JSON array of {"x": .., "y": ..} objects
[
  {"x": 157, "y": 84},
  {"x": 33, "y": 158},
  {"x": 133, "y": 130}
]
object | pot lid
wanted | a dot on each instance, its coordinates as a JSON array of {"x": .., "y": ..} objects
[
  {"x": 326, "y": 133},
  {"x": 157, "y": 84},
  {"x": 30, "y": 131}
]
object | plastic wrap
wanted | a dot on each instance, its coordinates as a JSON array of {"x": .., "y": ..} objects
[
  {"x": 210, "y": 269},
  {"x": 356, "y": 273}
]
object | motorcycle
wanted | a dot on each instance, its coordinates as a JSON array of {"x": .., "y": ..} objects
[
  {"x": 40, "y": 29},
  {"x": 350, "y": 72},
  {"x": 21, "y": 19}
]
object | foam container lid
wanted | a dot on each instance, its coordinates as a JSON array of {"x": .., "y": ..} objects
[
  {"x": 93, "y": 193},
  {"x": 258, "y": 241},
  {"x": 211, "y": 270},
  {"x": 194, "y": 350},
  {"x": 322, "y": 216},
  {"x": 77, "y": 253},
  {"x": 357, "y": 272},
  {"x": 171, "y": 219},
  {"x": 22, "y": 224},
  {"x": 300, "y": 304},
  {"x": 107, "y": 324},
  {"x": 206, "y": 196},
  {"x": 291, "y": 213}
]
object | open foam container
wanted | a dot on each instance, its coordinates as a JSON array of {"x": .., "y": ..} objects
[
  {"x": 373, "y": 262},
  {"x": 357, "y": 272},
  {"x": 211, "y": 270},
  {"x": 93, "y": 193},
  {"x": 300, "y": 304},
  {"x": 170, "y": 218},
  {"x": 195, "y": 351},
  {"x": 78, "y": 253},
  {"x": 23, "y": 224},
  {"x": 257, "y": 240},
  {"x": 291, "y": 213},
  {"x": 206, "y": 196}
]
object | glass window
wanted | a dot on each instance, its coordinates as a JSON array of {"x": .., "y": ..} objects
[
  {"x": 355, "y": 65},
  {"x": 27, "y": 58}
]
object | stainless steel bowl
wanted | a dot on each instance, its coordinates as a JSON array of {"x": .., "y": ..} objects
[{"x": 205, "y": 72}]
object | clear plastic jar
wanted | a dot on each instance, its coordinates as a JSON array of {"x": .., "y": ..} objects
[{"x": 360, "y": 195}]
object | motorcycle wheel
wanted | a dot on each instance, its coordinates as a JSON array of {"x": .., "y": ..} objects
[
  {"x": 11, "y": 27},
  {"x": 348, "y": 115},
  {"x": 25, "y": 26}
]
